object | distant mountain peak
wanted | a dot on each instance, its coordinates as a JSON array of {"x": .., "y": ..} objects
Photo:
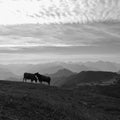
[
  {"x": 63, "y": 73},
  {"x": 64, "y": 70}
]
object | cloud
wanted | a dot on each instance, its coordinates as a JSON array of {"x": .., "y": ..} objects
[
  {"x": 13, "y": 42},
  {"x": 64, "y": 42},
  {"x": 15, "y": 58},
  {"x": 24, "y": 37},
  {"x": 58, "y": 11},
  {"x": 70, "y": 35}
]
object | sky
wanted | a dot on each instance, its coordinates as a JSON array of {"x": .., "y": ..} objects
[{"x": 38, "y": 31}]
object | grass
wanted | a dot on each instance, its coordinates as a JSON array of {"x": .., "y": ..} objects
[{"x": 27, "y": 101}]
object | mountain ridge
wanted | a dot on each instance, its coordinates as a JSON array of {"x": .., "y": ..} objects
[
  {"x": 6, "y": 74},
  {"x": 89, "y": 77}
]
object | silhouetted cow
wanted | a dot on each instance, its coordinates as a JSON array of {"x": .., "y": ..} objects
[
  {"x": 29, "y": 76},
  {"x": 42, "y": 78}
]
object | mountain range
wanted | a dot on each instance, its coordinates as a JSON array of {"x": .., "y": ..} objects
[
  {"x": 5, "y": 74},
  {"x": 58, "y": 78},
  {"x": 90, "y": 77},
  {"x": 59, "y": 72},
  {"x": 104, "y": 66},
  {"x": 53, "y": 67}
]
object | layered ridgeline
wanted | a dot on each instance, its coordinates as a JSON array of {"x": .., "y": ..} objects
[
  {"x": 104, "y": 66},
  {"x": 6, "y": 74},
  {"x": 61, "y": 73},
  {"x": 90, "y": 77},
  {"x": 50, "y": 68},
  {"x": 58, "y": 78},
  {"x": 66, "y": 78}
]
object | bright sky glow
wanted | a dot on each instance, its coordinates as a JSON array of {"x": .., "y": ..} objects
[{"x": 58, "y": 11}]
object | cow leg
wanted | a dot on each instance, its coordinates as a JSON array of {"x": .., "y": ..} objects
[
  {"x": 35, "y": 81},
  {"x": 24, "y": 80},
  {"x": 48, "y": 83}
]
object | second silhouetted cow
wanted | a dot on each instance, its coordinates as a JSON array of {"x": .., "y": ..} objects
[{"x": 43, "y": 78}]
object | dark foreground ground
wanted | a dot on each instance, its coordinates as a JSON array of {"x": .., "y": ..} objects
[{"x": 26, "y": 101}]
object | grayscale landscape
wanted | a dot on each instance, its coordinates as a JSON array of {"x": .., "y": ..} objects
[{"x": 59, "y": 60}]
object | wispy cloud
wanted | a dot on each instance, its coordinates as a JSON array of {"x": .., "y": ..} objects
[
  {"x": 58, "y": 11},
  {"x": 70, "y": 35},
  {"x": 13, "y": 58},
  {"x": 14, "y": 42}
]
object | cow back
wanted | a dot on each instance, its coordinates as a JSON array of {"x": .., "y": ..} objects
[{"x": 29, "y": 76}]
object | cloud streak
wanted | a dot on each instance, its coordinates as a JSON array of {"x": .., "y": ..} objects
[
  {"x": 69, "y": 35},
  {"x": 13, "y": 42},
  {"x": 58, "y": 11},
  {"x": 15, "y": 58}
]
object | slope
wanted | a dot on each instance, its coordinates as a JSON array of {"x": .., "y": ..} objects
[
  {"x": 88, "y": 77},
  {"x": 26, "y": 101},
  {"x": 58, "y": 78}
]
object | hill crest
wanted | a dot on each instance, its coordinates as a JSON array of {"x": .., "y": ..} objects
[{"x": 89, "y": 77}]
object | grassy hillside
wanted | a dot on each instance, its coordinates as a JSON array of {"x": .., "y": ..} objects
[
  {"x": 89, "y": 77},
  {"x": 27, "y": 101}
]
